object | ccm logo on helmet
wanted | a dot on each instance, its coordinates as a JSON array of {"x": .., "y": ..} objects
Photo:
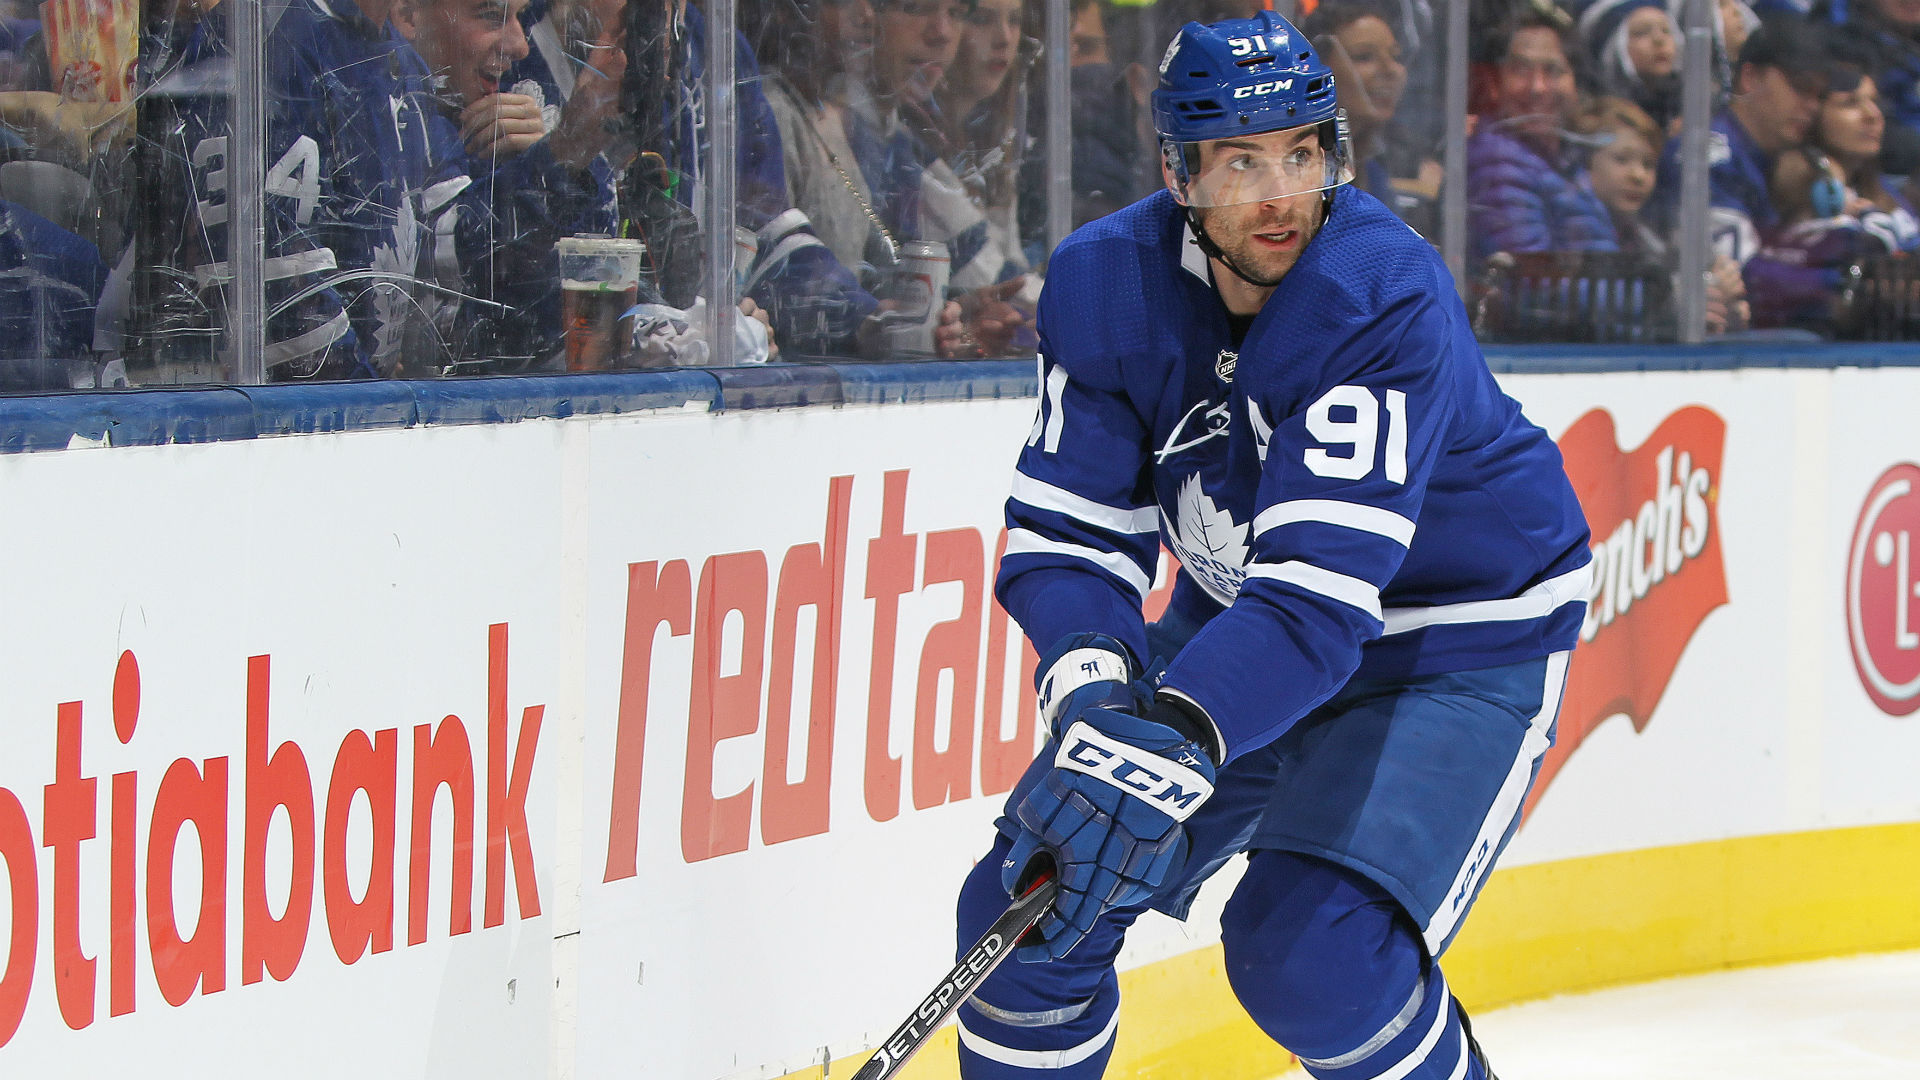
[
  {"x": 1175, "y": 789},
  {"x": 1258, "y": 89}
]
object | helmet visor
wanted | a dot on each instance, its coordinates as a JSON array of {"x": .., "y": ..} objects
[{"x": 1260, "y": 168}]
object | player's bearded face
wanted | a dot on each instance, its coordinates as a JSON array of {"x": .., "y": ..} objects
[{"x": 1263, "y": 239}]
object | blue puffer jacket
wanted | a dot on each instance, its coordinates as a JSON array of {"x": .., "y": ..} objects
[{"x": 1518, "y": 201}]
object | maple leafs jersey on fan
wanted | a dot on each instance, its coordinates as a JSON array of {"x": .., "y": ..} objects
[
  {"x": 382, "y": 234},
  {"x": 1347, "y": 489}
]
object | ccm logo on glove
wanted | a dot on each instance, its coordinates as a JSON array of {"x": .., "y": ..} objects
[{"x": 1176, "y": 789}]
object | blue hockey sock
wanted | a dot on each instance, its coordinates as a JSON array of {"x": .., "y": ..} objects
[
  {"x": 1051, "y": 1021},
  {"x": 1072, "y": 1042},
  {"x": 1330, "y": 967}
]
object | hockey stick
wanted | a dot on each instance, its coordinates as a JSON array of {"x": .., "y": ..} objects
[{"x": 960, "y": 983}]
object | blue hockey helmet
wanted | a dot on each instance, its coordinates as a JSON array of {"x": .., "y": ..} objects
[{"x": 1240, "y": 78}]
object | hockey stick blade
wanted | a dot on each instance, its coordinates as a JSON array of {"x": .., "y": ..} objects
[{"x": 975, "y": 965}]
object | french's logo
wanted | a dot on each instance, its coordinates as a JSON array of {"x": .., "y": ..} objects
[{"x": 1657, "y": 566}]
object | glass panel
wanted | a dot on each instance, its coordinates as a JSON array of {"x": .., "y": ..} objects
[
  {"x": 71, "y": 163},
  {"x": 1115, "y": 52},
  {"x": 1388, "y": 64},
  {"x": 907, "y": 135},
  {"x": 413, "y": 193},
  {"x": 1825, "y": 119},
  {"x": 499, "y": 186},
  {"x": 1568, "y": 123}
]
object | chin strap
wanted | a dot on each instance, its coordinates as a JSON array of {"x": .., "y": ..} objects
[{"x": 1212, "y": 250}]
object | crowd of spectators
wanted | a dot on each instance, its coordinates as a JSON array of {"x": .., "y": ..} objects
[
  {"x": 422, "y": 159},
  {"x": 1577, "y": 146}
]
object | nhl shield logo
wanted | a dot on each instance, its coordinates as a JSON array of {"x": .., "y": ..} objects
[{"x": 1224, "y": 364}]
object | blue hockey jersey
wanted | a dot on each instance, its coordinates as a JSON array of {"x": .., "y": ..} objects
[
  {"x": 1348, "y": 491},
  {"x": 383, "y": 235}
]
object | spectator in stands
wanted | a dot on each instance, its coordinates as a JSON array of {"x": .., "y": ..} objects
[
  {"x": 816, "y": 305},
  {"x": 1804, "y": 276},
  {"x": 1782, "y": 75},
  {"x": 1624, "y": 159},
  {"x": 1634, "y": 47},
  {"x": 1108, "y": 136},
  {"x": 915, "y": 46},
  {"x": 813, "y": 51},
  {"x": 812, "y": 304},
  {"x": 469, "y": 47},
  {"x": 1835, "y": 210},
  {"x": 1733, "y": 20},
  {"x": 374, "y": 204},
  {"x": 914, "y": 194},
  {"x": 1885, "y": 36},
  {"x": 1850, "y": 129},
  {"x": 1487, "y": 35},
  {"x": 1526, "y": 188},
  {"x": 155, "y": 316},
  {"x": 1360, "y": 45},
  {"x": 982, "y": 113},
  {"x": 1621, "y": 166},
  {"x": 820, "y": 55}
]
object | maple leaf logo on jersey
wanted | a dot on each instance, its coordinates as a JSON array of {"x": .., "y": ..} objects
[
  {"x": 1208, "y": 542},
  {"x": 392, "y": 300},
  {"x": 549, "y": 114}
]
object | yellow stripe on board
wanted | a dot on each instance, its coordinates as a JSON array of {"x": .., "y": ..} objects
[{"x": 1553, "y": 928}]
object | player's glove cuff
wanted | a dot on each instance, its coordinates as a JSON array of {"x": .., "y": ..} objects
[
  {"x": 1083, "y": 671},
  {"x": 1184, "y": 715}
]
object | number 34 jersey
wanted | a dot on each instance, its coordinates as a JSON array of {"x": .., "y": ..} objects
[{"x": 1346, "y": 489}]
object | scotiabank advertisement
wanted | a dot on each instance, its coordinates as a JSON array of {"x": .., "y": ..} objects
[{"x": 658, "y": 745}]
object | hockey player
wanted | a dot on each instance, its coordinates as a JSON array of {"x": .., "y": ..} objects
[{"x": 1383, "y": 570}]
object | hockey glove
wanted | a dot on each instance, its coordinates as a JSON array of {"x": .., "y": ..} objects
[
  {"x": 1082, "y": 671},
  {"x": 1109, "y": 814}
]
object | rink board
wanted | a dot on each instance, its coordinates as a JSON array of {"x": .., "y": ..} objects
[{"x": 642, "y": 726}]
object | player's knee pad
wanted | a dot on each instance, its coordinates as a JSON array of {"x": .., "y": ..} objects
[
  {"x": 1328, "y": 964},
  {"x": 1027, "y": 1021}
]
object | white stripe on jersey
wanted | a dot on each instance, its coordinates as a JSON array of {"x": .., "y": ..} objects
[
  {"x": 1538, "y": 602},
  {"x": 1505, "y": 806},
  {"x": 1351, "y": 591},
  {"x": 300, "y": 263},
  {"x": 1044, "y": 496},
  {"x": 1028, "y": 542},
  {"x": 1038, "y": 1059},
  {"x": 1351, "y": 515},
  {"x": 294, "y": 348}
]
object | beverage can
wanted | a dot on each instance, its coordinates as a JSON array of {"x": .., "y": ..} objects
[
  {"x": 599, "y": 281},
  {"x": 923, "y": 272}
]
